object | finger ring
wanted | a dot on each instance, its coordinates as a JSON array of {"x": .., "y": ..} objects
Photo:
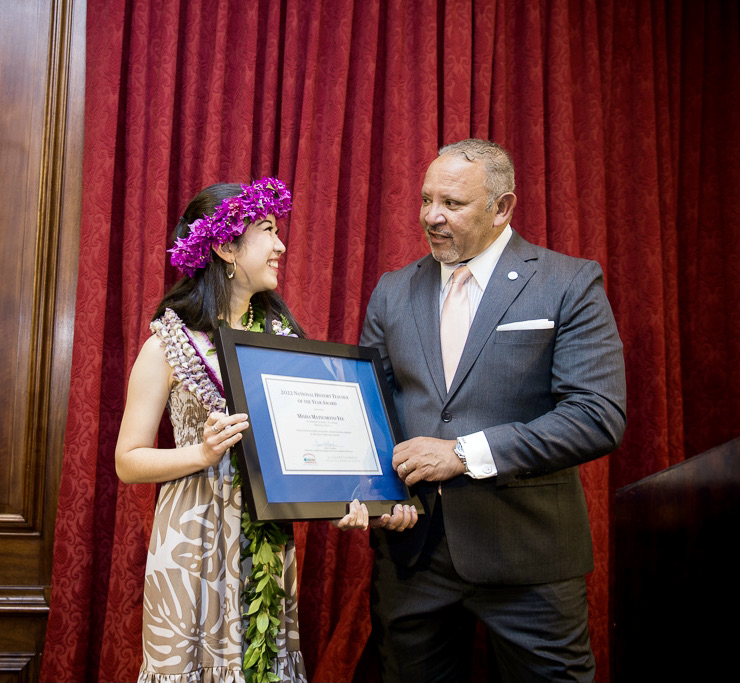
[
  {"x": 214, "y": 430},
  {"x": 405, "y": 469}
]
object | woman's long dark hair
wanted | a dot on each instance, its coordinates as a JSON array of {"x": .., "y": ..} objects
[{"x": 204, "y": 298}]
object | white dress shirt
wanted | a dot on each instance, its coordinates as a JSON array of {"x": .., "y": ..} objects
[{"x": 481, "y": 464}]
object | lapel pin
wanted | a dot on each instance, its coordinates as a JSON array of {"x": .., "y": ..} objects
[{"x": 513, "y": 275}]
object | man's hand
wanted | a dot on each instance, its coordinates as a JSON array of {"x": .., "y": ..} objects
[{"x": 426, "y": 459}]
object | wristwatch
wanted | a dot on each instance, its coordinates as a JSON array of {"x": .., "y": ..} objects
[{"x": 460, "y": 452}]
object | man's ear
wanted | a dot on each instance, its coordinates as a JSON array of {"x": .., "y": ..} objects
[{"x": 504, "y": 209}]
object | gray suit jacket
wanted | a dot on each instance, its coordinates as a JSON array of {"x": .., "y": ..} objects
[{"x": 546, "y": 399}]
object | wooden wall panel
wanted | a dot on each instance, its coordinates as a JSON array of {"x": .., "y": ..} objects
[
  {"x": 42, "y": 63},
  {"x": 23, "y": 37}
]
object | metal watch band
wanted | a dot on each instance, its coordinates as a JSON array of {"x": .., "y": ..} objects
[{"x": 460, "y": 452}]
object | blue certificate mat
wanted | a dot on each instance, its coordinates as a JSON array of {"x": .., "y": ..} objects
[{"x": 322, "y": 426}]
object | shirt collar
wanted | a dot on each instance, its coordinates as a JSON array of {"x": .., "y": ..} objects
[{"x": 481, "y": 266}]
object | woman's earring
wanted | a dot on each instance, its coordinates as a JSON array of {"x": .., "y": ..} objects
[{"x": 231, "y": 274}]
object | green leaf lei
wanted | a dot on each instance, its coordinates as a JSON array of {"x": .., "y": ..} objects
[
  {"x": 261, "y": 592},
  {"x": 264, "y": 596}
]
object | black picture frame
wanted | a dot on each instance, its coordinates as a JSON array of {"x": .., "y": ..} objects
[{"x": 279, "y": 483}]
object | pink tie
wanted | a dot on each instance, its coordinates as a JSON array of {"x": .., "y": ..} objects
[{"x": 455, "y": 322}]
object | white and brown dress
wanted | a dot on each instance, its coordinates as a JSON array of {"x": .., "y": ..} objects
[{"x": 193, "y": 626}]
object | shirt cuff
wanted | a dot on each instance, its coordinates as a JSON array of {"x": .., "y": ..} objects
[{"x": 478, "y": 456}]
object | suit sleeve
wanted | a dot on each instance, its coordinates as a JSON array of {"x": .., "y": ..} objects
[
  {"x": 373, "y": 333},
  {"x": 588, "y": 390}
]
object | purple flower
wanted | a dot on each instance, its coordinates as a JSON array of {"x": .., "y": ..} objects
[{"x": 228, "y": 221}]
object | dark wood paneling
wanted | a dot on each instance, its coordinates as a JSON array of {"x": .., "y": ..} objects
[
  {"x": 42, "y": 57},
  {"x": 677, "y": 594},
  {"x": 19, "y": 668},
  {"x": 24, "y": 39}
]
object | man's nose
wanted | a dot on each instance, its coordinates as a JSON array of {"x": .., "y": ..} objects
[{"x": 434, "y": 215}]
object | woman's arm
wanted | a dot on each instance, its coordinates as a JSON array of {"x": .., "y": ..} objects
[{"x": 137, "y": 461}]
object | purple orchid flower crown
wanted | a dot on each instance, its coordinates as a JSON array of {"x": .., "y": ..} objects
[{"x": 228, "y": 221}]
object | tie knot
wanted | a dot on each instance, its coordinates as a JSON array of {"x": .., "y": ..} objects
[{"x": 461, "y": 275}]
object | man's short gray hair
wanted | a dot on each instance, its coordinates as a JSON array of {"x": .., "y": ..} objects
[{"x": 496, "y": 160}]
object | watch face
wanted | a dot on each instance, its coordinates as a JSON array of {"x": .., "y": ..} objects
[{"x": 461, "y": 454}]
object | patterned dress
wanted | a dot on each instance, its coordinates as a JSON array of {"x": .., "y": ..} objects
[{"x": 193, "y": 626}]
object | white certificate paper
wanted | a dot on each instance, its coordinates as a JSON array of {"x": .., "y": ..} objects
[{"x": 320, "y": 426}]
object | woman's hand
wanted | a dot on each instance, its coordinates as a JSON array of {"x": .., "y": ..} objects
[
  {"x": 356, "y": 518},
  {"x": 220, "y": 433},
  {"x": 403, "y": 517},
  {"x": 137, "y": 460}
]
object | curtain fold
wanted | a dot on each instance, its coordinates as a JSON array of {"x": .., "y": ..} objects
[{"x": 622, "y": 118}]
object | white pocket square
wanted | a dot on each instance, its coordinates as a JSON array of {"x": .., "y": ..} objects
[{"x": 540, "y": 324}]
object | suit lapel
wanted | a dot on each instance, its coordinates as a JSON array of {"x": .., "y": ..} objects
[
  {"x": 517, "y": 258},
  {"x": 425, "y": 306}
]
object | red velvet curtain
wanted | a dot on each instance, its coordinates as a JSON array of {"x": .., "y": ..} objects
[{"x": 622, "y": 117}]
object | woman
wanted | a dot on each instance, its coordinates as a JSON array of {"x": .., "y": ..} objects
[{"x": 228, "y": 247}]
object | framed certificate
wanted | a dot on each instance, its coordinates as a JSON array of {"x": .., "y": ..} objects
[{"x": 322, "y": 426}]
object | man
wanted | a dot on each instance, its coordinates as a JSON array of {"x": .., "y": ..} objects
[{"x": 494, "y": 438}]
